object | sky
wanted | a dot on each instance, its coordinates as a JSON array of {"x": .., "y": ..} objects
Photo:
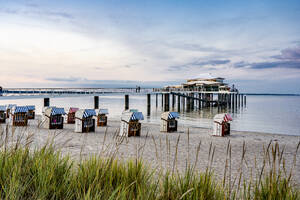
[{"x": 67, "y": 43}]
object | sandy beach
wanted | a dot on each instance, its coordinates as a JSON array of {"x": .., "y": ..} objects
[{"x": 165, "y": 150}]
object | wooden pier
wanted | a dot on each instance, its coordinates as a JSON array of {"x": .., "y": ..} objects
[{"x": 186, "y": 100}]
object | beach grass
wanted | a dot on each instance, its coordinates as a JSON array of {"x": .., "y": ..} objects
[{"x": 44, "y": 173}]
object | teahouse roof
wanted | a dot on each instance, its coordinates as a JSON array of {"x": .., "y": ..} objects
[
  {"x": 205, "y": 76},
  {"x": 128, "y": 115},
  {"x": 169, "y": 115},
  {"x": 84, "y": 113},
  {"x": 202, "y": 82},
  {"x": 222, "y": 118}
]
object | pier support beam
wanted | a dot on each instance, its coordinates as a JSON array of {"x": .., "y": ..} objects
[
  {"x": 173, "y": 101},
  {"x": 167, "y": 105},
  {"x": 199, "y": 102},
  {"x": 183, "y": 103},
  {"x": 156, "y": 100},
  {"x": 162, "y": 100},
  {"x": 126, "y": 101},
  {"x": 239, "y": 100},
  {"x": 245, "y": 100},
  {"x": 46, "y": 102},
  {"x": 242, "y": 100},
  {"x": 148, "y": 104},
  {"x": 188, "y": 103},
  {"x": 96, "y": 102},
  {"x": 192, "y": 101},
  {"x": 178, "y": 103},
  {"x": 235, "y": 100}
]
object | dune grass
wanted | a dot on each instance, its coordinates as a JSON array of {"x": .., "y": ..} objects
[{"x": 43, "y": 173}]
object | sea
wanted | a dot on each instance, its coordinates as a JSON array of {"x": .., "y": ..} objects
[{"x": 275, "y": 114}]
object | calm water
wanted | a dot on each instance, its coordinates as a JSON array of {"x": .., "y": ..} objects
[{"x": 270, "y": 114}]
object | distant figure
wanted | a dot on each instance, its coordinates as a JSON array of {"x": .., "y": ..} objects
[
  {"x": 233, "y": 89},
  {"x": 138, "y": 89}
]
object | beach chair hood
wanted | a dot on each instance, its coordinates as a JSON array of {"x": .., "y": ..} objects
[
  {"x": 19, "y": 109},
  {"x": 169, "y": 115},
  {"x": 103, "y": 111},
  {"x": 220, "y": 118},
  {"x": 50, "y": 111},
  {"x": 3, "y": 108},
  {"x": 128, "y": 116},
  {"x": 84, "y": 113},
  {"x": 31, "y": 107}
]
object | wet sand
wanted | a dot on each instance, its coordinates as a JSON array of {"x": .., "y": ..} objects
[{"x": 167, "y": 150}]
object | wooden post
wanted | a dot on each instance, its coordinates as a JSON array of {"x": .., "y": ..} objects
[
  {"x": 148, "y": 104},
  {"x": 192, "y": 101},
  {"x": 126, "y": 101},
  {"x": 162, "y": 100},
  {"x": 245, "y": 100},
  {"x": 178, "y": 103},
  {"x": 167, "y": 99},
  {"x": 173, "y": 101},
  {"x": 188, "y": 103},
  {"x": 183, "y": 102},
  {"x": 46, "y": 102},
  {"x": 156, "y": 100},
  {"x": 199, "y": 102},
  {"x": 96, "y": 102},
  {"x": 242, "y": 100},
  {"x": 235, "y": 101},
  {"x": 239, "y": 100},
  {"x": 229, "y": 100}
]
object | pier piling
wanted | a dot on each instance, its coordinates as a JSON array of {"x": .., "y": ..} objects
[
  {"x": 245, "y": 100},
  {"x": 167, "y": 105},
  {"x": 229, "y": 95},
  {"x": 173, "y": 101},
  {"x": 183, "y": 103},
  {"x": 199, "y": 102},
  {"x": 126, "y": 101},
  {"x": 242, "y": 100},
  {"x": 156, "y": 100},
  {"x": 192, "y": 101},
  {"x": 178, "y": 103},
  {"x": 96, "y": 102},
  {"x": 148, "y": 104},
  {"x": 235, "y": 100},
  {"x": 188, "y": 104}
]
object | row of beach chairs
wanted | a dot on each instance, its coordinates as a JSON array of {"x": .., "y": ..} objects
[{"x": 85, "y": 120}]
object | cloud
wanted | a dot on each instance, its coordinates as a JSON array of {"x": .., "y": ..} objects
[
  {"x": 69, "y": 79},
  {"x": 196, "y": 64},
  {"x": 289, "y": 58},
  {"x": 289, "y": 54},
  {"x": 268, "y": 65},
  {"x": 36, "y": 11}
]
